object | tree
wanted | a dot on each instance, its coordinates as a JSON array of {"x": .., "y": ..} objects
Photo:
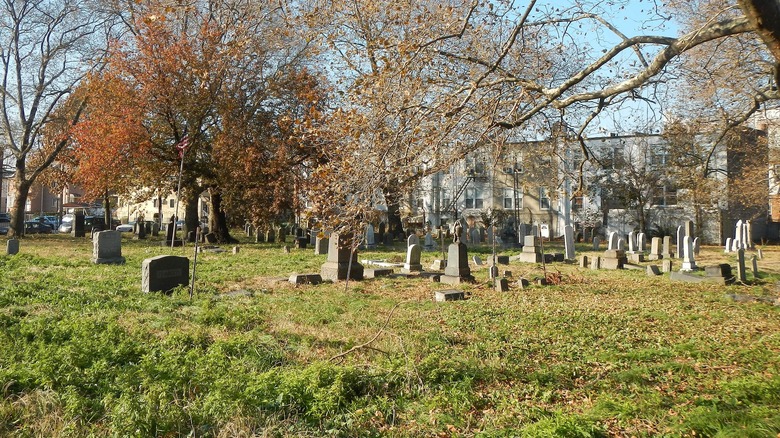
[
  {"x": 219, "y": 72},
  {"x": 46, "y": 49}
]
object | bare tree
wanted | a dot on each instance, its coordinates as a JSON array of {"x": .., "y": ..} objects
[{"x": 46, "y": 48}]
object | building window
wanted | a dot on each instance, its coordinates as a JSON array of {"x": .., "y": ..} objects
[
  {"x": 171, "y": 202},
  {"x": 612, "y": 158},
  {"x": 544, "y": 199},
  {"x": 577, "y": 203},
  {"x": 513, "y": 199},
  {"x": 665, "y": 196},
  {"x": 474, "y": 198}
]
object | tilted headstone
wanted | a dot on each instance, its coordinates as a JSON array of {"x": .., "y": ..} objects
[
  {"x": 655, "y": 249},
  {"x": 653, "y": 270},
  {"x": 477, "y": 260},
  {"x": 164, "y": 273},
  {"x": 596, "y": 243},
  {"x": 412, "y": 240},
  {"x": 412, "y": 264},
  {"x": 760, "y": 253},
  {"x": 696, "y": 246},
  {"x": 689, "y": 262},
  {"x": 338, "y": 265},
  {"x": 680, "y": 244},
  {"x": 12, "y": 247},
  {"x": 107, "y": 247},
  {"x": 568, "y": 231}
]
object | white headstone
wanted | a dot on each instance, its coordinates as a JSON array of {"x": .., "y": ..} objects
[
  {"x": 696, "y": 246},
  {"x": 107, "y": 247},
  {"x": 613, "y": 241},
  {"x": 632, "y": 242},
  {"x": 621, "y": 245},
  {"x": 728, "y": 245},
  {"x": 412, "y": 259},
  {"x": 738, "y": 229},
  {"x": 544, "y": 229},
  {"x": 680, "y": 242},
  {"x": 641, "y": 242},
  {"x": 748, "y": 236}
]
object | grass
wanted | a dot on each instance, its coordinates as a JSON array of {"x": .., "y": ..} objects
[{"x": 605, "y": 353}]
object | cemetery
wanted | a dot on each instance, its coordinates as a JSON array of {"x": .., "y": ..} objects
[{"x": 410, "y": 345}]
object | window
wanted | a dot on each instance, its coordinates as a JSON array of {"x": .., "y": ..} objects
[
  {"x": 171, "y": 202},
  {"x": 659, "y": 158},
  {"x": 474, "y": 198},
  {"x": 475, "y": 167},
  {"x": 509, "y": 199},
  {"x": 665, "y": 196},
  {"x": 577, "y": 203},
  {"x": 544, "y": 198},
  {"x": 612, "y": 158}
]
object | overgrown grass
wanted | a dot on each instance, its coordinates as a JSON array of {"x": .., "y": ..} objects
[{"x": 84, "y": 353}]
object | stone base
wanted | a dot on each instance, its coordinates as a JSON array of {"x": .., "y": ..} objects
[
  {"x": 637, "y": 258},
  {"x": 408, "y": 269},
  {"x": 305, "y": 279},
  {"x": 655, "y": 257},
  {"x": 449, "y": 295},
  {"x": 109, "y": 261},
  {"x": 530, "y": 257},
  {"x": 450, "y": 279},
  {"x": 439, "y": 265},
  {"x": 376, "y": 273},
  {"x": 610, "y": 263},
  {"x": 689, "y": 266},
  {"x": 338, "y": 271}
]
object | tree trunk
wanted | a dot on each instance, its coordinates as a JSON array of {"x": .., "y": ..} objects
[
  {"x": 107, "y": 212},
  {"x": 393, "y": 203},
  {"x": 217, "y": 219},
  {"x": 22, "y": 187},
  {"x": 765, "y": 16},
  {"x": 191, "y": 218}
]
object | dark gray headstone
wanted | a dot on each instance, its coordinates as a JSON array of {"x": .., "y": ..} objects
[
  {"x": 12, "y": 247},
  {"x": 457, "y": 270},
  {"x": 164, "y": 273},
  {"x": 338, "y": 264},
  {"x": 79, "y": 228}
]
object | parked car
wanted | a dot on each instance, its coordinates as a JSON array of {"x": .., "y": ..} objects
[
  {"x": 5, "y": 217},
  {"x": 48, "y": 220},
  {"x": 125, "y": 228},
  {"x": 35, "y": 227},
  {"x": 3, "y": 230}
]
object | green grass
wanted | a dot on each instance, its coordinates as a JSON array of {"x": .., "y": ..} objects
[{"x": 605, "y": 353}]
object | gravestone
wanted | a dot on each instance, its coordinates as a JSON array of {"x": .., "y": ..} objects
[
  {"x": 583, "y": 263},
  {"x": 738, "y": 230},
  {"x": 449, "y": 295},
  {"x": 429, "y": 242},
  {"x": 338, "y": 264},
  {"x": 741, "y": 275},
  {"x": 370, "y": 238},
  {"x": 107, "y": 247},
  {"x": 632, "y": 243},
  {"x": 521, "y": 233},
  {"x": 79, "y": 229},
  {"x": 438, "y": 265},
  {"x": 12, "y": 247},
  {"x": 596, "y": 243},
  {"x": 412, "y": 260},
  {"x": 236, "y": 250},
  {"x": 748, "y": 235},
  {"x": 270, "y": 235},
  {"x": 568, "y": 232},
  {"x": 613, "y": 241},
  {"x": 388, "y": 239},
  {"x": 727, "y": 249},
  {"x": 641, "y": 242},
  {"x": 139, "y": 231},
  {"x": 305, "y": 279},
  {"x": 760, "y": 253},
  {"x": 476, "y": 236},
  {"x": 412, "y": 240},
  {"x": 377, "y": 272},
  {"x": 595, "y": 263},
  {"x": 666, "y": 265},
  {"x": 667, "y": 248},
  {"x": 653, "y": 270},
  {"x": 164, "y": 273},
  {"x": 613, "y": 259},
  {"x": 501, "y": 284},
  {"x": 696, "y": 246},
  {"x": 313, "y": 236},
  {"x": 655, "y": 249},
  {"x": 689, "y": 262},
  {"x": 754, "y": 265},
  {"x": 259, "y": 235},
  {"x": 722, "y": 270},
  {"x": 321, "y": 246},
  {"x": 689, "y": 229},
  {"x": 680, "y": 244},
  {"x": 457, "y": 270},
  {"x": 300, "y": 242},
  {"x": 621, "y": 245},
  {"x": 531, "y": 252},
  {"x": 477, "y": 260},
  {"x": 544, "y": 231},
  {"x": 281, "y": 237}
]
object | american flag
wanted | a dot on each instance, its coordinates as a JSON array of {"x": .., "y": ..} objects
[{"x": 182, "y": 145}]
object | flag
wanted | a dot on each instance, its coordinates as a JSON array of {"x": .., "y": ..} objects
[{"x": 182, "y": 145}]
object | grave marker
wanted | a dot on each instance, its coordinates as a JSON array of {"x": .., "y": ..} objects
[
  {"x": 164, "y": 273},
  {"x": 107, "y": 247}
]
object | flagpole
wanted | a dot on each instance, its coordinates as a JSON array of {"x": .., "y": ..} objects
[{"x": 176, "y": 209}]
